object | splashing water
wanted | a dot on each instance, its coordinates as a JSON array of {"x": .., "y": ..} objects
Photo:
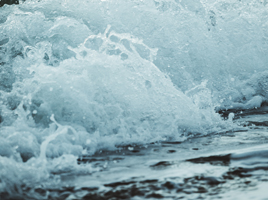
[{"x": 77, "y": 77}]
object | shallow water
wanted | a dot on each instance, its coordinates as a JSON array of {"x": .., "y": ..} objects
[
  {"x": 115, "y": 99},
  {"x": 227, "y": 165}
]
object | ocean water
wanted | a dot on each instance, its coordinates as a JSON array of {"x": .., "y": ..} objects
[{"x": 134, "y": 99}]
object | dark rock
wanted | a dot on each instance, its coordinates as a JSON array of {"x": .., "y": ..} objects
[{"x": 8, "y": 2}]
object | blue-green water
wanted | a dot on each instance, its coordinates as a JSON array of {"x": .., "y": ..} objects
[{"x": 96, "y": 94}]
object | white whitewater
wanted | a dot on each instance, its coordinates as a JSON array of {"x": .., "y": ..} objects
[{"x": 117, "y": 72}]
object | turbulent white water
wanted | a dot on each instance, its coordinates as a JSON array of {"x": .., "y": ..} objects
[{"x": 81, "y": 76}]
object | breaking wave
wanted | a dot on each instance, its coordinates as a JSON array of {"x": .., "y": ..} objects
[{"x": 77, "y": 77}]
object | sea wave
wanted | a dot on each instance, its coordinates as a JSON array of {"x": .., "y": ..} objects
[{"x": 77, "y": 77}]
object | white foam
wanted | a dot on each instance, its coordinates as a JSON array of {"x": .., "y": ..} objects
[{"x": 121, "y": 73}]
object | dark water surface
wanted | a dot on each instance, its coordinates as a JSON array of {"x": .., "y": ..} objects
[{"x": 230, "y": 165}]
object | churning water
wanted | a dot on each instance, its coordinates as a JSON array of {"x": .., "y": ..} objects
[{"x": 84, "y": 85}]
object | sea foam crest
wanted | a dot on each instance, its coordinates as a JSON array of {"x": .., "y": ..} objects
[{"x": 105, "y": 86}]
